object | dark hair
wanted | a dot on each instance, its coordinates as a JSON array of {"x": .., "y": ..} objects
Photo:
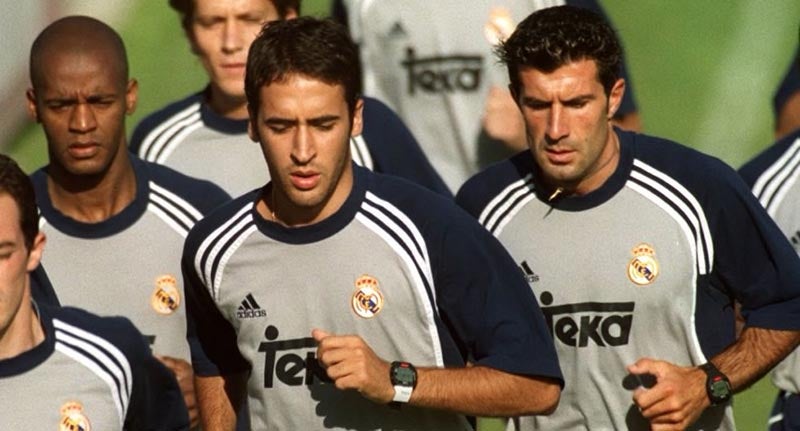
[
  {"x": 550, "y": 38},
  {"x": 16, "y": 184},
  {"x": 186, "y": 9},
  {"x": 315, "y": 48}
]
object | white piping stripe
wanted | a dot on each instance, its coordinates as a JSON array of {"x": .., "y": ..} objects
[
  {"x": 240, "y": 239},
  {"x": 215, "y": 251},
  {"x": 766, "y": 177},
  {"x": 179, "y": 201},
  {"x": 359, "y": 146},
  {"x": 173, "y": 210},
  {"x": 775, "y": 419},
  {"x": 422, "y": 293},
  {"x": 213, "y": 238},
  {"x": 501, "y": 197},
  {"x": 177, "y": 227},
  {"x": 176, "y": 140},
  {"x": 697, "y": 351},
  {"x": 503, "y": 206},
  {"x": 110, "y": 348},
  {"x": 505, "y": 220},
  {"x": 780, "y": 194},
  {"x": 411, "y": 227},
  {"x": 179, "y": 116},
  {"x": 704, "y": 230},
  {"x": 102, "y": 374}
]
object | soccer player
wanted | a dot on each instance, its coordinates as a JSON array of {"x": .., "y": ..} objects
[
  {"x": 649, "y": 244},
  {"x": 205, "y": 134},
  {"x": 772, "y": 175},
  {"x": 432, "y": 62},
  {"x": 331, "y": 281},
  {"x": 786, "y": 102},
  {"x": 116, "y": 224},
  {"x": 63, "y": 368}
]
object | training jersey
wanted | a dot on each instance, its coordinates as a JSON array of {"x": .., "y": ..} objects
[
  {"x": 191, "y": 138},
  {"x": 41, "y": 289},
  {"x": 789, "y": 86},
  {"x": 403, "y": 268},
  {"x": 772, "y": 175},
  {"x": 647, "y": 265},
  {"x": 129, "y": 264},
  {"x": 88, "y": 373},
  {"x": 433, "y": 63}
]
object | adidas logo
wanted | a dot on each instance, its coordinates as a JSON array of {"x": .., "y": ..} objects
[
  {"x": 530, "y": 276},
  {"x": 249, "y": 308},
  {"x": 397, "y": 30}
]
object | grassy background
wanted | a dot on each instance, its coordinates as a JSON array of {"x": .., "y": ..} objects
[{"x": 704, "y": 73}]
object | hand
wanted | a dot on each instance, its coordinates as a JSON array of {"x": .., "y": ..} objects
[
  {"x": 185, "y": 377},
  {"x": 502, "y": 119},
  {"x": 676, "y": 400},
  {"x": 352, "y": 364}
]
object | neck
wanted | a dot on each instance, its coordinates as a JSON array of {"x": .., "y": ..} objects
[
  {"x": 93, "y": 198},
  {"x": 232, "y": 107},
  {"x": 23, "y": 333},
  {"x": 605, "y": 166}
]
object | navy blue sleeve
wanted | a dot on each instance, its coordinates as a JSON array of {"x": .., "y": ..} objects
[
  {"x": 203, "y": 195},
  {"x": 628, "y": 104},
  {"x": 155, "y": 119},
  {"x": 487, "y": 304},
  {"x": 395, "y": 151},
  {"x": 753, "y": 169},
  {"x": 212, "y": 339},
  {"x": 789, "y": 85},
  {"x": 41, "y": 289}
]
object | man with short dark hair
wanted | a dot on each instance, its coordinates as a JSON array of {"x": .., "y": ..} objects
[
  {"x": 205, "y": 134},
  {"x": 330, "y": 272},
  {"x": 116, "y": 223},
  {"x": 648, "y": 245},
  {"x": 63, "y": 367}
]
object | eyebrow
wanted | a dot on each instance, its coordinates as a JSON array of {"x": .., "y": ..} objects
[{"x": 313, "y": 121}]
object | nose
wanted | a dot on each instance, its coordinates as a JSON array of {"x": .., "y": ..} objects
[
  {"x": 231, "y": 36},
  {"x": 557, "y": 127},
  {"x": 82, "y": 119},
  {"x": 303, "y": 147}
]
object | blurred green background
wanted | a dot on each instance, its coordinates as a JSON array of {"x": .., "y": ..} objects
[{"x": 704, "y": 73}]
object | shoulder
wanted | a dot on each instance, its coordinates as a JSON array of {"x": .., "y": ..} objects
[
  {"x": 106, "y": 339},
  {"x": 776, "y": 159},
  {"x": 496, "y": 180},
  {"x": 229, "y": 217},
  {"x": 180, "y": 189},
  {"x": 173, "y": 113},
  {"x": 381, "y": 122}
]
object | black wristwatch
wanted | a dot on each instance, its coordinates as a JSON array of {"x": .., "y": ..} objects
[
  {"x": 404, "y": 378},
  {"x": 718, "y": 387}
]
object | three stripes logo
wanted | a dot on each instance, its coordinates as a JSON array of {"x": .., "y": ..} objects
[
  {"x": 249, "y": 308},
  {"x": 530, "y": 276}
]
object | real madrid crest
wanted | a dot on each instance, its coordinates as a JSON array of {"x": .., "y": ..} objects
[
  {"x": 367, "y": 298},
  {"x": 166, "y": 297},
  {"x": 499, "y": 26},
  {"x": 73, "y": 418},
  {"x": 643, "y": 268}
]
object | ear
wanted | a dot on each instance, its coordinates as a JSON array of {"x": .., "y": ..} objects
[
  {"x": 615, "y": 97},
  {"x": 35, "y": 253},
  {"x": 30, "y": 95},
  {"x": 291, "y": 13},
  {"x": 358, "y": 118},
  {"x": 131, "y": 96}
]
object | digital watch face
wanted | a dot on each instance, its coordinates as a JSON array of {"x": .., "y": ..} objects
[
  {"x": 404, "y": 375},
  {"x": 720, "y": 389}
]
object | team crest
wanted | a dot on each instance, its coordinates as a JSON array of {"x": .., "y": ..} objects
[
  {"x": 367, "y": 298},
  {"x": 643, "y": 268},
  {"x": 499, "y": 26},
  {"x": 73, "y": 418},
  {"x": 166, "y": 297}
]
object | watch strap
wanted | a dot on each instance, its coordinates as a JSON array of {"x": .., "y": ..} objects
[{"x": 402, "y": 393}]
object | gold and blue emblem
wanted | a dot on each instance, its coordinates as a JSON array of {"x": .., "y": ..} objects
[
  {"x": 166, "y": 297},
  {"x": 643, "y": 268},
  {"x": 367, "y": 298},
  {"x": 73, "y": 418}
]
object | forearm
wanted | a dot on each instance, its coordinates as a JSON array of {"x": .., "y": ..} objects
[
  {"x": 484, "y": 391},
  {"x": 755, "y": 352},
  {"x": 218, "y": 399}
]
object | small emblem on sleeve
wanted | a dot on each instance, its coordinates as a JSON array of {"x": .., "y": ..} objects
[
  {"x": 73, "y": 418},
  {"x": 367, "y": 298},
  {"x": 643, "y": 268},
  {"x": 499, "y": 26},
  {"x": 166, "y": 297}
]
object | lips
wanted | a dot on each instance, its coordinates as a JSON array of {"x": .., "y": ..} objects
[
  {"x": 83, "y": 150},
  {"x": 304, "y": 180}
]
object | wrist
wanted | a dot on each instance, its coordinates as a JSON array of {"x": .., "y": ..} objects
[
  {"x": 403, "y": 376},
  {"x": 717, "y": 385}
]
